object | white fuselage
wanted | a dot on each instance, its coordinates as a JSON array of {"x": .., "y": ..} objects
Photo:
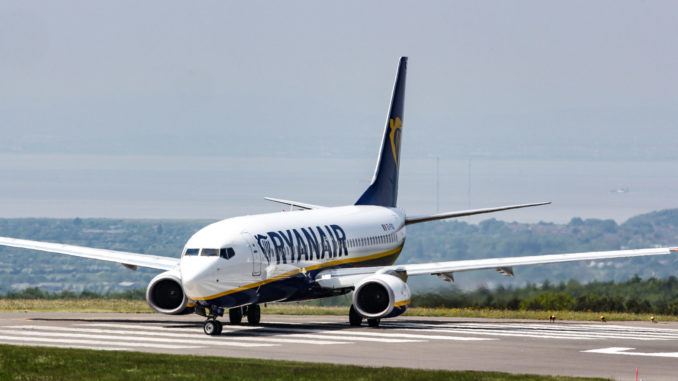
[{"x": 244, "y": 254}]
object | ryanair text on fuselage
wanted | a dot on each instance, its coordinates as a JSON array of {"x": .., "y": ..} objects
[{"x": 295, "y": 245}]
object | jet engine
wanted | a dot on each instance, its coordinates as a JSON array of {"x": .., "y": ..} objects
[
  {"x": 381, "y": 296},
  {"x": 165, "y": 294}
]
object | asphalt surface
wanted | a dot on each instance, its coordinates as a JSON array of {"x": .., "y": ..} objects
[{"x": 527, "y": 346}]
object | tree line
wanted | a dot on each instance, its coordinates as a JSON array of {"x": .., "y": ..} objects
[{"x": 659, "y": 296}]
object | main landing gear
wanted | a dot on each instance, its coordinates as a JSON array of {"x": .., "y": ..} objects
[
  {"x": 253, "y": 313},
  {"x": 356, "y": 320},
  {"x": 213, "y": 326}
]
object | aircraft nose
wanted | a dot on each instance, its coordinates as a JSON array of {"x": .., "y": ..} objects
[{"x": 197, "y": 276}]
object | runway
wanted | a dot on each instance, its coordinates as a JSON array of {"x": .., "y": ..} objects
[{"x": 525, "y": 346}]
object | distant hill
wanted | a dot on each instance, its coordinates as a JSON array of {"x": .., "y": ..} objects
[{"x": 433, "y": 241}]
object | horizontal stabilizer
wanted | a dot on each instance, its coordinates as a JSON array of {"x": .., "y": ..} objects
[
  {"x": 295, "y": 204},
  {"x": 464, "y": 213}
]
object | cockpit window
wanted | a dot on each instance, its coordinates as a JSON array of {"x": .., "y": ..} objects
[
  {"x": 209, "y": 252},
  {"x": 192, "y": 252},
  {"x": 227, "y": 253}
]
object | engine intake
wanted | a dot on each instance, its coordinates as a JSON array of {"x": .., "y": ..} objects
[
  {"x": 381, "y": 296},
  {"x": 165, "y": 294}
]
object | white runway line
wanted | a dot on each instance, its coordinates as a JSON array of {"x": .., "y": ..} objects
[
  {"x": 634, "y": 333},
  {"x": 495, "y": 333},
  {"x": 334, "y": 337},
  {"x": 624, "y": 351},
  {"x": 167, "y": 332},
  {"x": 536, "y": 331},
  {"x": 71, "y": 332},
  {"x": 143, "y": 327},
  {"x": 412, "y": 332},
  {"x": 288, "y": 332},
  {"x": 386, "y": 334},
  {"x": 224, "y": 334},
  {"x": 28, "y": 338},
  {"x": 412, "y": 336}
]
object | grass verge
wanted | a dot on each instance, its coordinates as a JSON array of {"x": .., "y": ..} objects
[
  {"x": 19, "y": 362},
  {"x": 140, "y": 306},
  {"x": 74, "y": 305}
]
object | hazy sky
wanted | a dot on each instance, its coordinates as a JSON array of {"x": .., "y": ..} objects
[{"x": 538, "y": 80}]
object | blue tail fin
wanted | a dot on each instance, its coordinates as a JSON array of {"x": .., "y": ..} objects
[{"x": 384, "y": 188}]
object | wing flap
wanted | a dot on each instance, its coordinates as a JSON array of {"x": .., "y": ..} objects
[{"x": 129, "y": 260}]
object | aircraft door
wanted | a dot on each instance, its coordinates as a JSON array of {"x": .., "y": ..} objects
[{"x": 257, "y": 256}]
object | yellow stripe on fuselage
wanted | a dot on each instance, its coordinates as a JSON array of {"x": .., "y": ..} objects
[
  {"x": 403, "y": 303},
  {"x": 302, "y": 270}
]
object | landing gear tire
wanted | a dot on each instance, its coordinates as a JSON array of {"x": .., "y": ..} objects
[
  {"x": 253, "y": 314},
  {"x": 374, "y": 323},
  {"x": 212, "y": 327},
  {"x": 354, "y": 318},
  {"x": 235, "y": 315}
]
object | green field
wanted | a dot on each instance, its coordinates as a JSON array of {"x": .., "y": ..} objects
[
  {"x": 140, "y": 306},
  {"x": 41, "y": 363}
]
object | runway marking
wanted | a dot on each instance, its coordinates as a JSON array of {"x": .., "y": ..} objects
[
  {"x": 135, "y": 330},
  {"x": 546, "y": 330},
  {"x": 471, "y": 331},
  {"x": 25, "y": 338},
  {"x": 33, "y": 330},
  {"x": 483, "y": 332},
  {"x": 297, "y": 333},
  {"x": 186, "y": 335},
  {"x": 610, "y": 331},
  {"x": 345, "y": 332},
  {"x": 624, "y": 351}
]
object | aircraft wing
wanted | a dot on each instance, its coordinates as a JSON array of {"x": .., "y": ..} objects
[
  {"x": 129, "y": 260},
  {"x": 347, "y": 277},
  {"x": 464, "y": 213}
]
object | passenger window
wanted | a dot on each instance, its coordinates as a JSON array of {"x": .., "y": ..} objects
[
  {"x": 210, "y": 252},
  {"x": 226, "y": 253},
  {"x": 192, "y": 252}
]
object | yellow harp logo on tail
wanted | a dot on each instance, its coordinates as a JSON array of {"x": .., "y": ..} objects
[{"x": 396, "y": 130}]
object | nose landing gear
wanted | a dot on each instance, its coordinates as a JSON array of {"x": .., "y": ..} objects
[{"x": 213, "y": 326}]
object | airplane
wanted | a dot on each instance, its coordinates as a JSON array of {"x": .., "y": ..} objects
[{"x": 310, "y": 252}]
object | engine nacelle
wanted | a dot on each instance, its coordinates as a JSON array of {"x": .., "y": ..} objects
[
  {"x": 165, "y": 294},
  {"x": 381, "y": 296}
]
